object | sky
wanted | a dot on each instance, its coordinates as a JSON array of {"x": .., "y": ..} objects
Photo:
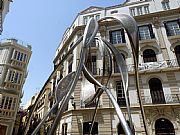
[{"x": 41, "y": 24}]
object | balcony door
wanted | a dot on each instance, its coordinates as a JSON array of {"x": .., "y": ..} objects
[
  {"x": 92, "y": 65},
  {"x": 87, "y": 127},
  {"x": 149, "y": 56},
  {"x": 177, "y": 52},
  {"x": 164, "y": 127},
  {"x": 156, "y": 90}
]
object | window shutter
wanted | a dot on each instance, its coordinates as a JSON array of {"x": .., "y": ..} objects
[
  {"x": 151, "y": 31},
  {"x": 167, "y": 29},
  {"x": 123, "y": 36}
]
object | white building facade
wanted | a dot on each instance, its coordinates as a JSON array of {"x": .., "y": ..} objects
[
  {"x": 14, "y": 58},
  {"x": 159, "y": 58}
]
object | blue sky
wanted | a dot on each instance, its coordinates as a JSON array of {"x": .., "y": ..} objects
[{"x": 41, "y": 24}]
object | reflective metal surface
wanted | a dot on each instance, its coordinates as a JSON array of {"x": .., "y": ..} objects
[{"x": 66, "y": 86}]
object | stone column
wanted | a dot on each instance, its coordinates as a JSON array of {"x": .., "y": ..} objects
[{"x": 157, "y": 24}]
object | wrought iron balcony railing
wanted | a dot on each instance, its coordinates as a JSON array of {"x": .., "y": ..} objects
[
  {"x": 149, "y": 66},
  {"x": 167, "y": 99},
  {"x": 155, "y": 65}
]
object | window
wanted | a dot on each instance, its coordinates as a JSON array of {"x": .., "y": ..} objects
[
  {"x": 87, "y": 127},
  {"x": 70, "y": 67},
  {"x": 120, "y": 94},
  {"x": 6, "y": 103},
  {"x": 97, "y": 17},
  {"x": 1, "y": 70},
  {"x": 15, "y": 54},
  {"x": 117, "y": 36},
  {"x": 1, "y": 4},
  {"x": 114, "y": 12},
  {"x": 164, "y": 127},
  {"x": 14, "y": 76},
  {"x": 146, "y": 9},
  {"x": 132, "y": 11},
  {"x": 177, "y": 52},
  {"x": 172, "y": 27},
  {"x": 146, "y": 32},
  {"x": 91, "y": 64},
  {"x": 120, "y": 128},
  {"x": 10, "y": 102},
  {"x": 156, "y": 91},
  {"x": 19, "y": 56},
  {"x": 139, "y": 11},
  {"x": 149, "y": 56},
  {"x": 14, "y": 104},
  {"x": 2, "y": 101},
  {"x": 61, "y": 73},
  {"x": 165, "y": 5},
  {"x": 64, "y": 129},
  {"x": 85, "y": 19},
  {"x": 3, "y": 129},
  {"x": 24, "y": 57}
]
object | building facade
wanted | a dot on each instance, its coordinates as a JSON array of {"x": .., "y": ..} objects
[
  {"x": 14, "y": 59},
  {"x": 4, "y": 9},
  {"x": 159, "y": 58}
]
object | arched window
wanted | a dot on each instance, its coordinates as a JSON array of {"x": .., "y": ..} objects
[
  {"x": 120, "y": 129},
  {"x": 164, "y": 127},
  {"x": 87, "y": 127},
  {"x": 149, "y": 56},
  {"x": 156, "y": 90},
  {"x": 177, "y": 52}
]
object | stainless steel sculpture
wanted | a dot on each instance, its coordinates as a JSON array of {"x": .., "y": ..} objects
[{"x": 65, "y": 88}]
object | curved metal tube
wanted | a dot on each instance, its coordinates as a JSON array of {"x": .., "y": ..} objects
[
  {"x": 90, "y": 32},
  {"x": 115, "y": 104},
  {"x": 92, "y": 26},
  {"x": 60, "y": 92},
  {"x": 131, "y": 28},
  {"x": 43, "y": 90},
  {"x": 123, "y": 69}
]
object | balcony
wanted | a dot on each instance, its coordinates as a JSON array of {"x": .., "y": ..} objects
[
  {"x": 7, "y": 113},
  {"x": 11, "y": 85},
  {"x": 167, "y": 99},
  {"x": 155, "y": 65},
  {"x": 18, "y": 64},
  {"x": 149, "y": 66}
]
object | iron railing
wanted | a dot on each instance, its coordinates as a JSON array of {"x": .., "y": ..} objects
[
  {"x": 166, "y": 99},
  {"x": 155, "y": 65},
  {"x": 142, "y": 67}
]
